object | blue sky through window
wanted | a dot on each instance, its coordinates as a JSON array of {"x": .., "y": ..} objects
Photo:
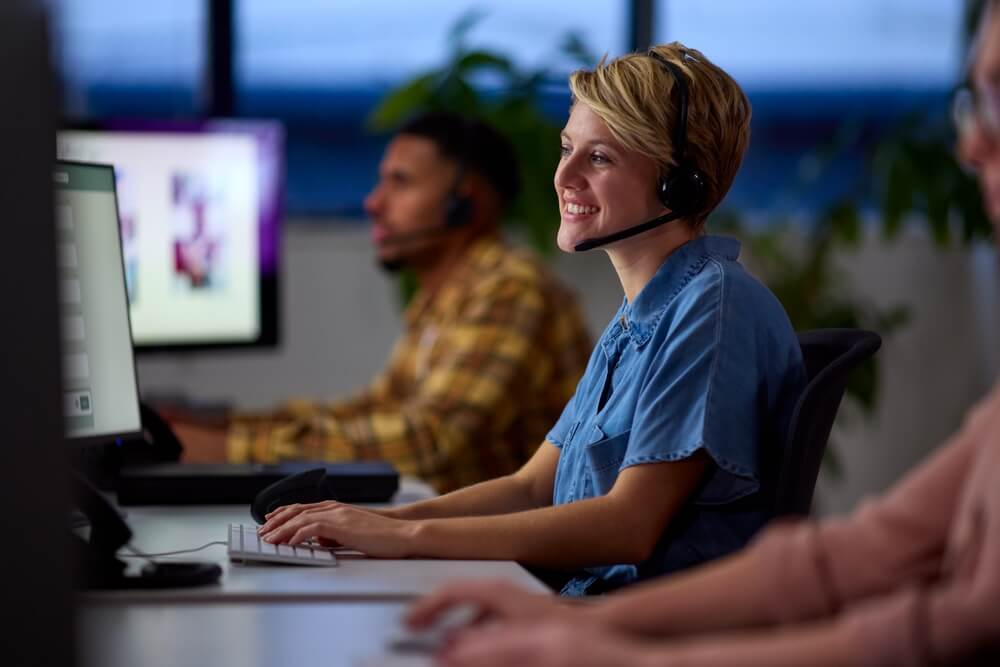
[
  {"x": 802, "y": 44},
  {"x": 322, "y": 66}
]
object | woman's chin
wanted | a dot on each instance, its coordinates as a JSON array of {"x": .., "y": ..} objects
[{"x": 568, "y": 238}]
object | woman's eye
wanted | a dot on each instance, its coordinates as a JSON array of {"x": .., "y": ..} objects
[
  {"x": 598, "y": 158},
  {"x": 565, "y": 150}
]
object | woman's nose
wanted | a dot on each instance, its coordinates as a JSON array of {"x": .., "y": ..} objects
[{"x": 568, "y": 175}]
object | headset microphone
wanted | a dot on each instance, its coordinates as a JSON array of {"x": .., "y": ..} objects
[
  {"x": 403, "y": 238},
  {"x": 590, "y": 244},
  {"x": 683, "y": 191}
]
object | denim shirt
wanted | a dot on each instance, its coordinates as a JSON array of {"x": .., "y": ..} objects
[{"x": 703, "y": 359}]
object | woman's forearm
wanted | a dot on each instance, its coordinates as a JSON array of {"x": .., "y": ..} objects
[
  {"x": 496, "y": 496},
  {"x": 597, "y": 531},
  {"x": 605, "y": 530},
  {"x": 528, "y": 488}
]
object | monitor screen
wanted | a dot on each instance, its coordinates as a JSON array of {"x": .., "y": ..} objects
[
  {"x": 100, "y": 391},
  {"x": 200, "y": 206}
]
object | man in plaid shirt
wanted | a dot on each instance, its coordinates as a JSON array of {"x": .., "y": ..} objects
[{"x": 493, "y": 345}]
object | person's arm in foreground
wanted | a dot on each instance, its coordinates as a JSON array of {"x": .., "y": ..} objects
[
  {"x": 568, "y": 644},
  {"x": 603, "y": 530},
  {"x": 953, "y": 620}
]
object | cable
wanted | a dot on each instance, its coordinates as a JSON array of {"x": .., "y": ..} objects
[{"x": 139, "y": 554}]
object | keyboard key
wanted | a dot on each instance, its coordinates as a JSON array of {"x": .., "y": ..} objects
[{"x": 246, "y": 545}]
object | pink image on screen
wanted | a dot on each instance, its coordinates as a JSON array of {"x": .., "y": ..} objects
[{"x": 199, "y": 226}]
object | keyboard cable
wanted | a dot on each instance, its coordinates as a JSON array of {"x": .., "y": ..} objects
[{"x": 139, "y": 554}]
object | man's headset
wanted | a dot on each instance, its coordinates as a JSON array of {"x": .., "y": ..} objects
[
  {"x": 683, "y": 190},
  {"x": 458, "y": 210},
  {"x": 458, "y": 207}
]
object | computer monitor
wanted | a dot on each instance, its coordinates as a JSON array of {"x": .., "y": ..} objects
[
  {"x": 200, "y": 205},
  {"x": 37, "y": 615},
  {"x": 100, "y": 390}
]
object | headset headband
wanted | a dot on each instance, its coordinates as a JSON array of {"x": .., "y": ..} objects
[{"x": 680, "y": 130}]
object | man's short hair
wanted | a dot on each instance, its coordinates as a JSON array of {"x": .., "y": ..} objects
[
  {"x": 474, "y": 145},
  {"x": 634, "y": 96}
]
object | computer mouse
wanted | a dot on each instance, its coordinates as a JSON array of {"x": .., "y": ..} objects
[
  {"x": 176, "y": 574},
  {"x": 304, "y": 487}
]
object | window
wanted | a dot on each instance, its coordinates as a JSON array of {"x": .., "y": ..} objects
[
  {"x": 850, "y": 44},
  {"x": 323, "y": 66},
  {"x": 119, "y": 57},
  {"x": 821, "y": 73},
  {"x": 317, "y": 44}
]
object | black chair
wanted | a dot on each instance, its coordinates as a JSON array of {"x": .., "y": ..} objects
[{"x": 830, "y": 355}]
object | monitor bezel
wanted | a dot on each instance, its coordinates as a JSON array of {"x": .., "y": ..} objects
[
  {"x": 117, "y": 438},
  {"x": 269, "y": 301}
]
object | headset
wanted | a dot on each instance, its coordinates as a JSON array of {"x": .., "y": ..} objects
[
  {"x": 458, "y": 207},
  {"x": 458, "y": 211},
  {"x": 683, "y": 190}
]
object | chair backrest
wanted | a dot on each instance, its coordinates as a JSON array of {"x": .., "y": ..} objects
[{"x": 829, "y": 355}]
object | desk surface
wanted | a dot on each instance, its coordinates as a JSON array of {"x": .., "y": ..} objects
[
  {"x": 261, "y": 615},
  {"x": 160, "y": 529},
  {"x": 243, "y": 635}
]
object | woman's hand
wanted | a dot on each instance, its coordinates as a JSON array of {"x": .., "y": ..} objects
[
  {"x": 497, "y": 601},
  {"x": 542, "y": 644},
  {"x": 335, "y": 523}
]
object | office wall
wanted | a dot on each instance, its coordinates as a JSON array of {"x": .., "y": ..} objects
[{"x": 340, "y": 319}]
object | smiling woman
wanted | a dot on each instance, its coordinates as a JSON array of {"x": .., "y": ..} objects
[{"x": 656, "y": 462}]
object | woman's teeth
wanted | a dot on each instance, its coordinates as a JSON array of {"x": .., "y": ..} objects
[{"x": 578, "y": 209}]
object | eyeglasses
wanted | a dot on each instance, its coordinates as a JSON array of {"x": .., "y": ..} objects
[{"x": 977, "y": 107}]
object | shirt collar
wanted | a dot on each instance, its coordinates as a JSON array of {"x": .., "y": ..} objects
[{"x": 638, "y": 319}]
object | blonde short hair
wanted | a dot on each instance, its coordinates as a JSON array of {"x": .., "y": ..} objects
[{"x": 634, "y": 96}]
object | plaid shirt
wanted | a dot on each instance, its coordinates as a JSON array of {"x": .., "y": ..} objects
[{"x": 483, "y": 370}]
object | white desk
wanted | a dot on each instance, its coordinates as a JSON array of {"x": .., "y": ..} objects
[
  {"x": 242, "y": 635},
  {"x": 160, "y": 529},
  {"x": 261, "y": 615}
]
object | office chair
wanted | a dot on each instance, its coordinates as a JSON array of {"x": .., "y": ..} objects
[{"x": 829, "y": 355}]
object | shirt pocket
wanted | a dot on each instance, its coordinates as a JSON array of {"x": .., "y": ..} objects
[
  {"x": 566, "y": 486},
  {"x": 604, "y": 457}
]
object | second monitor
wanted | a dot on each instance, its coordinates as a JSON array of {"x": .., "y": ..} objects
[{"x": 200, "y": 211}]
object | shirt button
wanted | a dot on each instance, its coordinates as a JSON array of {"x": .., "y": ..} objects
[{"x": 624, "y": 322}]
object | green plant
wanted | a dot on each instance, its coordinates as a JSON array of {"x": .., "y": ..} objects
[{"x": 915, "y": 171}]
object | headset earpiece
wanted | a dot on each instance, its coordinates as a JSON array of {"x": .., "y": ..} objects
[
  {"x": 683, "y": 190},
  {"x": 458, "y": 210}
]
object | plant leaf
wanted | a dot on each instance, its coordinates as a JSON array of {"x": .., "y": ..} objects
[
  {"x": 898, "y": 197},
  {"x": 402, "y": 102}
]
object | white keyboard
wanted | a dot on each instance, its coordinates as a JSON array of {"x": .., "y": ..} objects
[{"x": 246, "y": 545}]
